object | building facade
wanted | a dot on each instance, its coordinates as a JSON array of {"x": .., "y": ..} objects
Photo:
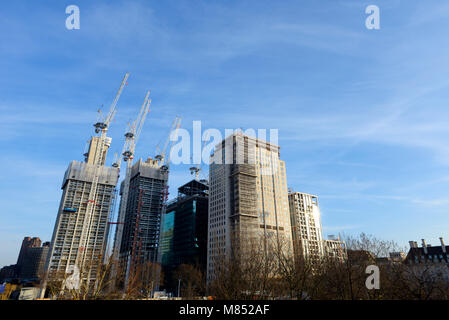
[
  {"x": 32, "y": 259},
  {"x": 307, "y": 232},
  {"x": 335, "y": 249},
  {"x": 190, "y": 228},
  {"x": 8, "y": 273},
  {"x": 142, "y": 222},
  {"x": 184, "y": 239},
  {"x": 81, "y": 227},
  {"x": 427, "y": 254},
  {"x": 27, "y": 243},
  {"x": 167, "y": 232},
  {"x": 248, "y": 199},
  {"x": 428, "y": 261},
  {"x": 398, "y": 256}
]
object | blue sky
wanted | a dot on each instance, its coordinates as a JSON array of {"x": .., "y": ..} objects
[{"x": 362, "y": 114}]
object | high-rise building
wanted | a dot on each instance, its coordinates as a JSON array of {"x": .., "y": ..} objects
[
  {"x": 81, "y": 228},
  {"x": 184, "y": 232},
  {"x": 248, "y": 198},
  {"x": 27, "y": 242},
  {"x": 307, "y": 232},
  {"x": 306, "y": 226},
  {"x": 32, "y": 258},
  {"x": 80, "y": 234},
  {"x": 142, "y": 220}
]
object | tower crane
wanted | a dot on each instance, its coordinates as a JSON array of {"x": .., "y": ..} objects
[
  {"x": 102, "y": 141},
  {"x": 196, "y": 170},
  {"x": 131, "y": 137},
  {"x": 103, "y": 125},
  {"x": 162, "y": 156}
]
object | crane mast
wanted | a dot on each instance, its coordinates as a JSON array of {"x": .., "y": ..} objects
[
  {"x": 177, "y": 125},
  {"x": 174, "y": 127},
  {"x": 196, "y": 170},
  {"x": 102, "y": 126}
]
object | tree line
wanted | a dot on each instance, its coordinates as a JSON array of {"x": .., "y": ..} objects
[{"x": 264, "y": 271}]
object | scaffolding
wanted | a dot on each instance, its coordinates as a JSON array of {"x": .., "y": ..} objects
[{"x": 243, "y": 196}]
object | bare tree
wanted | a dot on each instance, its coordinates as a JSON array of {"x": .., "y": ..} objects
[
  {"x": 369, "y": 243},
  {"x": 265, "y": 268},
  {"x": 97, "y": 288},
  {"x": 192, "y": 280},
  {"x": 141, "y": 280}
]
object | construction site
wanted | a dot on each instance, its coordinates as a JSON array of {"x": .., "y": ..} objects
[{"x": 87, "y": 237}]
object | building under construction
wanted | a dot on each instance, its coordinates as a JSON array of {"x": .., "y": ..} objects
[
  {"x": 80, "y": 234},
  {"x": 142, "y": 220},
  {"x": 73, "y": 219}
]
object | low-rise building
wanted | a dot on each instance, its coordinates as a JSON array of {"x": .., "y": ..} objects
[
  {"x": 398, "y": 256},
  {"x": 7, "y": 273},
  {"x": 429, "y": 260},
  {"x": 427, "y": 253}
]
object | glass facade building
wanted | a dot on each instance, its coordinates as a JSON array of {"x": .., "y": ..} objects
[{"x": 184, "y": 232}]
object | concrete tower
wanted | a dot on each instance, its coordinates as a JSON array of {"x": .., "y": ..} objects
[
  {"x": 142, "y": 220},
  {"x": 248, "y": 198},
  {"x": 79, "y": 237}
]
